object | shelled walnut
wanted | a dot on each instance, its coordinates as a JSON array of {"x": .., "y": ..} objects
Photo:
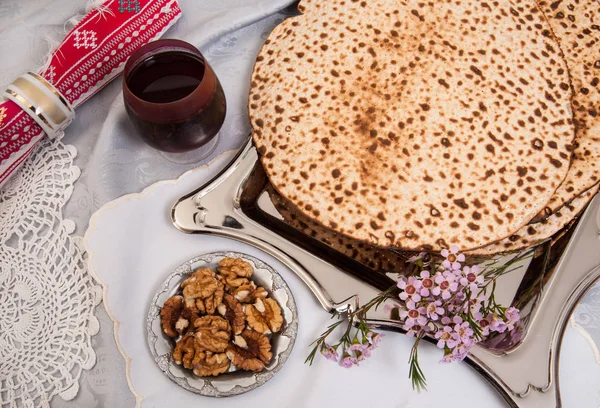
[
  {"x": 232, "y": 310},
  {"x": 221, "y": 319},
  {"x": 249, "y": 292},
  {"x": 264, "y": 316},
  {"x": 202, "y": 291},
  {"x": 176, "y": 319},
  {"x": 235, "y": 272},
  {"x": 169, "y": 315},
  {"x": 185, "y": 351},
  {"x": 186, "y": 318},
  {"x": 250, "y": 351},
  {"x": 212, "y": 333},
  {"x": 211, "y": 364}
]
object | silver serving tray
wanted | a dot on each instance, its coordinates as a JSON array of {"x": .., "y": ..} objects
[
  {"x": 235, "y": 381},
  {"x": 522, "y": 367}
]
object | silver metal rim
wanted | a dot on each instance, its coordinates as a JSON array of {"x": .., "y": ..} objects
[{"x": 207, "y": 386}]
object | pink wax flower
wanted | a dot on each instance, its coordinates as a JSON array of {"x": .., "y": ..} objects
[
  {"x": 348, "y": 361},
  {"x": 484, "y": 324},
  {"x": 451, "y": 302},
  {"x": 446, "y": 338},
  {"x": 457, "y": 320},
  {"x": 329, "y": 352},
  {"x": 428, "y": 285},
  {"x": 374, "y": 338},
  {"x": 458, "y": 353},
  {"x": 470, "y": 279},
  {"x": 356, "y": 347},
  {"x": 415, "y": 258},
  {"x": 434, "y": 310},
  {"x": 367, "y": 351},
  {"x": 477, "y": 303},
  {"x": 413, "y": 315},
  {"x": 447, "y": 285},
  {"x": 453, "y": 258},
  {"x": 413, "y": 331},
  {"x": 497, "y": 324},
  {"x": 410, "y": 288},
  {"x": 512, "y": 314},
  {"x": 464, "y": 333}
]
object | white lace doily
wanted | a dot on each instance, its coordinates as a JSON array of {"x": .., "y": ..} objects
[{"x": 47, "y": 297}]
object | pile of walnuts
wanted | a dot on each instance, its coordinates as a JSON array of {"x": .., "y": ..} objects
[{"x": 221, "y": 319}]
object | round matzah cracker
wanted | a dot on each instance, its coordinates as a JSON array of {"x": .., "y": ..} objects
[
  {"x": 531, "y": 235},
  {"x": 378, "y": 259},
  {"x": 414, "y": 124},
  {"x": 576, "y": 24}
]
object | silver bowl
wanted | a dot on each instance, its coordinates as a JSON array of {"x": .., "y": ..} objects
[{"x": 235, "y": 381}]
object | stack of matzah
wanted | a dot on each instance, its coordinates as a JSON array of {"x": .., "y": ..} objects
[{"x": 420, "y": 125}]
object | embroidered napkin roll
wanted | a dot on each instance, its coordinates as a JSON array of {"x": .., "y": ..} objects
[{"x": 92, "y": 54}]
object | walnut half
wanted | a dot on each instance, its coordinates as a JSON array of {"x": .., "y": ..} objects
[
  {"x": 175, "y": 318},
  {"x": 202, "y": 291},
  {"x": 169, "y": 314},
  {"x": 185, "y": 351},
  {"x": 249, "y": 293},
  {"x": 232, "y": 310},
  {"x": 185, "y": 321},
  {"x": 235, "y": 272},
  {"x": 264, "y": 316},
  {"x": 211, "y": 364},
  {"x": 250, "y": 351},
  {"x": 212, "y": 333}
]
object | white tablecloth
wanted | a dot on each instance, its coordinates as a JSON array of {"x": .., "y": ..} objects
[
  {"x": 114, "y": 162},
  {"x": 132, "y": 273}
]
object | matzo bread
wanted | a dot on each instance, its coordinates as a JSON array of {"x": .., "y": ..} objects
[
  {"x": 531, "y": 235},
  {"x": 378, "y": 259},
  {"x": 414, "y": 124},
  {"x": 576, "y": 24}
]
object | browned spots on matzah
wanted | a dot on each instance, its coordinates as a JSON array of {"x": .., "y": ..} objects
[
  {"x": 459, "y": 117},
  {"x": 532, "y": 234},
  {"x": 576, "y": 24}
]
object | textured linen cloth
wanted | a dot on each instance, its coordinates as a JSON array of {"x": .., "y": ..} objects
[
  {"x": 88, "y": 57},
  {"x": 132, "y": 273},
  {"x": 113, "y": 160}
]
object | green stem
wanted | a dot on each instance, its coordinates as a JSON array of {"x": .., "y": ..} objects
[{"x": 415, "y": 373}]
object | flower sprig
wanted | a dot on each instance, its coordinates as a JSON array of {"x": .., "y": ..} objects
[
  {"x": 450, "y": 302},
  {"x": 356, "y": 343}
]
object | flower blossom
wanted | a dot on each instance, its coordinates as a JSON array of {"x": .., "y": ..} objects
[
  {"x": 458, "y": 353},
  {"x": 415, "y": 258},
  {"x": 348, "y": 361},
  {"x": 446, "y": 338},
  {"x": 470, "y": 278},
  {"x": 410, "y": 288},
  {"x": 453, "y": 258},
  {"x": 497, "y": 324},
  {"x": 512, "y": 314},
  {"x": 446, "y": 284},
  {"x": 428, "y": 285},
  {"x": 464, "y": 333},
  {"x": 434, "y": 310},
  {"x": 414, "y": 315},
  {"x": 374, "y": 338},
  {"x": 329, "y": 352}
]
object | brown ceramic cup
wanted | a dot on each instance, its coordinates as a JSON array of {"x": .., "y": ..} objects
[{"x": 173, "y": 96}]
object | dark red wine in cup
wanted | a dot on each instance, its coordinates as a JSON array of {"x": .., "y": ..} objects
[{"x": 173, "y": 96}]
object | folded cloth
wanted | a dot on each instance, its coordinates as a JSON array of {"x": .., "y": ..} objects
[{"x": 92, "y": 54}]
